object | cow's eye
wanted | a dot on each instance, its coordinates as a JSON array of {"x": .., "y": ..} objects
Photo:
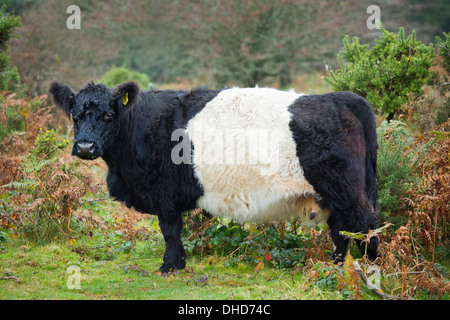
[
  {"x": 109, "y": 116},
  {"x": 74, "y": 118}
]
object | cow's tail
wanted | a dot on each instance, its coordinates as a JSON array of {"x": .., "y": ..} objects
[{"x": 363, "y": 111}]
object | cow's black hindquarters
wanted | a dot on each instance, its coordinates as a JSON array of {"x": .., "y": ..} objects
[{"x": 334, "y": 135}]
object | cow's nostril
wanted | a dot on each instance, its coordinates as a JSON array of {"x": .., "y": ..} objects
[{"x": 85, "y": 148}]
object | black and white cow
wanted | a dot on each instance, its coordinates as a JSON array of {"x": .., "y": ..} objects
[{"x": 252, "y": 154}]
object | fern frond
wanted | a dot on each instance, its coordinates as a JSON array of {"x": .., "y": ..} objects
[
  {"x": 32, "y": 167},
  {"x": 23, "y": 185}
]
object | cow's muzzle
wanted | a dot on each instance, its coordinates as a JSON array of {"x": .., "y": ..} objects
[{"x": 85, "y": 150}]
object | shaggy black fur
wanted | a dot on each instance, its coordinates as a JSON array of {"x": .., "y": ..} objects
[
  {"x": 336, "y": 141},
  {"x": 136, "y": 144}
]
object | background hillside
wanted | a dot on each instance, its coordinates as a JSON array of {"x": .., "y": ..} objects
[{"x": 213, "y": 43}]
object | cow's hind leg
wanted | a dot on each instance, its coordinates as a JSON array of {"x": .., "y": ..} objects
[
  {"x": 369, "y": 249},
  {"x": 340, "y": 242},
  {"x": 354, "y": 221},
  {"x": 340, "y": 180},
  {"x": 332, "y": 146},
  {"x": 171, "y": 225}
]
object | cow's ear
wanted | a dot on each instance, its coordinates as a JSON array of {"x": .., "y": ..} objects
[
  {"x": 63, "y": 96},
  {"x": 126, "y": 94}
]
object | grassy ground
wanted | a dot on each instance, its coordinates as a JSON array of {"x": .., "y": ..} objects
[{"x": 50, "y": 271}]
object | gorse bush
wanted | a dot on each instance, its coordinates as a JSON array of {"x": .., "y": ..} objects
[
  {"x": 9, "y": 76},
  {"x": 386, "y": 74}
]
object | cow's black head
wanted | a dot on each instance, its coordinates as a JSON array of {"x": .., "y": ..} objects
[{"x": 95, "y": 111}]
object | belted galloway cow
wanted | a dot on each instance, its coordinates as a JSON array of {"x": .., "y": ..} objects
[{"x": 251, "y": 154}]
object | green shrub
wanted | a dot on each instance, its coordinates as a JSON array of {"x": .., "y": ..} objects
[
  {"x": 119, "y": 75},
  {"x": 443, "y": 45},
  {"x": 444, "y": 51},
  {"x": 387, "y": 73},
  {"x": 9, "y": 76},
  {"x": 398, "y": 159}
]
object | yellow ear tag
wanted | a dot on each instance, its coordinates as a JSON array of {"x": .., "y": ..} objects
[{"x": 125, "y": 99}]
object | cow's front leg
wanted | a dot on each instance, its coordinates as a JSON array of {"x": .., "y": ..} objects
[{"x": 171, "y": 225}]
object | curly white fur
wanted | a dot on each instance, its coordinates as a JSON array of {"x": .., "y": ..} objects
[{"x": 245, "y": 158}]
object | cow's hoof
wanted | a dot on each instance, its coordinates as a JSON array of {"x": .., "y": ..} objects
[
  {"x": 338, "y": 259},
  {"x": 166, "y": 268},
  {"x": 372, "y": 248}
]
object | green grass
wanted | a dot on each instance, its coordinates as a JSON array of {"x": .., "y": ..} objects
[
  {"x": 109, "y": 268},
  {"x": 43, "y": 274}
]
